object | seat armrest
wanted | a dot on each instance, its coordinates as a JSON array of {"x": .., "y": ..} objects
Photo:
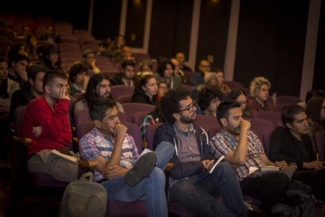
[
  {"x": 22, "y": 140},
  {"x": 89, "y": 164}
]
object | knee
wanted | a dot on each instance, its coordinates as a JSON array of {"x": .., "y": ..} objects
[{"x": 226, "y": 169}]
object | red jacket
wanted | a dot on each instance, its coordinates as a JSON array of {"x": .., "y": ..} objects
[{"x": 56, "y": 129}]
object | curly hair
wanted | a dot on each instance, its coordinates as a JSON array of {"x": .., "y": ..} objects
[
  {"x": 206, "y": 95},
  {"x": 170, "y": 103},
  {"x": 75, "y": 69},
  {"x": 256, "y": 84}
]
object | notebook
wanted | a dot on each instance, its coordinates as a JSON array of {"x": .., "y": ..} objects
[{"x": 205, "y": 173}]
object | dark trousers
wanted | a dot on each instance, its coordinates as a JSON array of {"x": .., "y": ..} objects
[
  {"x": 269, "y": 188},
  {"x": 204, "y": 198},
  {"x": 315, "y": 179}
]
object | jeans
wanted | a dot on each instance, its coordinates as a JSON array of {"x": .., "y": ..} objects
[
  {"x": 217, "y": 195},
  {"x": 269, "y": 188},
  {"x": 151, "y": 188}
]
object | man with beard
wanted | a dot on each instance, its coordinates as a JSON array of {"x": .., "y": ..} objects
[
  {"x": 192, "y": 156},
  {"x": 293, "y": 145},
  {"x": 33, "y": 89},
  {"x": 242, "y": 148},
  {"x": 98, "y": 85},
  {"x": 50, "y": 112}
]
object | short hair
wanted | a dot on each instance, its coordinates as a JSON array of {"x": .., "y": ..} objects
[
  {"x": 224, "y": 107},
  {"x": 75, "y": 69},
  {"x": 50, "y": 75},
  {"x": 288, "y": 112},
  {"x": 170, "y": 103},
  {"x": 99, "y": 107},
  {"x": 210, "y": 76},
  {"x": 162, "y": 65},
  {"x": 128, "y": 63},
  {"x": 34, "y": 69},
  {"x": 91, "y": 90},
  {"x": 256, "y": 84},
  {"x": 206, "y": 95},
  {"x": 235, "y": 93},
  {"x": 314, "y": 107}
]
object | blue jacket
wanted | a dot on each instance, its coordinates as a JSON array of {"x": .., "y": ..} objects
[{"x": 166, "y": 133}]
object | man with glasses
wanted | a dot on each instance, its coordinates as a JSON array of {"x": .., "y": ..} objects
[
  {"x": 192, "y": 156},
  {"x": 293, "y": 145}
]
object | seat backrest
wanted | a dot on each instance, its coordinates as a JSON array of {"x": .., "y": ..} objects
[
  {"x": 121, "y": 90},
  {"x": 263, "y": 129},
  {"x": 187, "y": 87},
  {"x": 151, "y": 130},
  {"x": 284, "y": 100},
  {"x": 132, "y": 108},
  {"x": 124, "y": 99},
  {"x": 138, "y": 117},
  {"x": 214, "y": 130},
  {"x": 273, "y": 116},
  {"x": 206, "y": 121},
  {"x": 320, "y": 144},
  {"x": 233, "y": 84},
  {"x": 19, "y": 117}
]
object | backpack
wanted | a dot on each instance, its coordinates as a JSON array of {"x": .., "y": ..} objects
[
  {"x": 84, "y": 198},
  {"x": 298, "y": 201}
]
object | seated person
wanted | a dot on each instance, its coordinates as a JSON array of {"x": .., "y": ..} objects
[
  {"x": 165, "y": 72},
  {"x": 242, "y": 148},
  {"x": 240, "y": 96},
  {"x": 221, "y": 77},
  {"x": 293, "y": 145},
  {"x": 311, "y": 93},
  {"x": 119, "y": 169},
  {"x": 259, "y": 90},
  {"x": 33, "y": 89},
  {"x": 126, "y": 54},
  {"x": 98, "y": 85},
  {"x": 145, "y": 67},
  {"x": 116, "y": 47},
  {"x": 47, "y": 123},
  {"x": 146, "y": 90},
  {"x": 127, "y": 76},
  {"x": 193, "y": 155},
  {"x": 162, "y": 89},
  {"x": 180, "y": 56},
  {"x": 89, "y": 59},
  {"x": 78, "y": 79},
  {"x": 209, "y": 100},
  {"x": 315, "y": 110},
  {"x": 198, "y": 77},
  {"x": 179, "y": 71}
]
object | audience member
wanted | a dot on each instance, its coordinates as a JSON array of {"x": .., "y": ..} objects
[
  {"x": 179, "y": 71},
  {"x": 166, "y": 72},
  {"x": 116, "y": 47},
  {"x": 146, "y": 90},
  {"x": 51, "y": 57},
  {"x": 198, "y": 77},
  {"x": 78, "y": 79},
  {"x": 242, "y": 148},
  {"x": 126, "y": 176},
  {"x": 180, "y": 56},
  {"x": 293, "y": 145},
  {"x": 33, "y": 89},
  {"x": 7, "y": 86},
  {"x": 194, "y": 155},
  {"x": 162, "y": 89},
  {"x": 98, "y": 85},
  {"x": 89, "y": 59},
  {"x": 17, "y": 71},
  {"x": 259, "y": 90},
  {"x": 209, "y": 100},
  {"x": 47, "y": 123},
  {"x": 127, "y": 76},
  {"x": 240, "y": 96},
  {"x": 223, "y": 87}
]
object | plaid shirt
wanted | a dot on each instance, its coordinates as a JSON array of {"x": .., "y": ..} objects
[
  {"x": 95, "y": 144},
  {"x": 147, "y": 120},
  {"x": 223, "y": 143}
]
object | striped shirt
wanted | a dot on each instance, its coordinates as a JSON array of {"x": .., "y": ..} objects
[
  {"x": 223, "y": 143},
  {"x": 95, "y": 144}
]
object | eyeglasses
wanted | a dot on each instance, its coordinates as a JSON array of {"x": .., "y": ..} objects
[
  {"x": 242, "y": 102},
  {"x": 190, "y": 108}
]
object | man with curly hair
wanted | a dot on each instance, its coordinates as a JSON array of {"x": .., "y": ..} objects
[
  {"x": 192, "y": 156},
  {"x": 259, "y": 90}
]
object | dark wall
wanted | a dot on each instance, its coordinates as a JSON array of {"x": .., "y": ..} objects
[
  {"x": 213, "y": 31},
  {"x": 106, "y": 19},
  {"x": 170, "y": 27},
  {"x": 135, "y": 22},
  {"x": 270, "y": 43},
  {"x": 319, "y": 72}
]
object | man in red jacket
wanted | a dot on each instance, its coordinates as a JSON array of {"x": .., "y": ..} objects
[{"x": 47, "y": 123}]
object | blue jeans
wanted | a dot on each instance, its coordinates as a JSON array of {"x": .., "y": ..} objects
[
  {"x": 217, "y": 195},
  {"x": 151, "y": 188}
]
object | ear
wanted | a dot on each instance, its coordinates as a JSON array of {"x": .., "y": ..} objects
[
  {"x": 143, "y": 88},
  {"x": 289, "y": 125},
  {"x": 224, "y": 121},
  {"x": 97, "y": 123},
  {"x": 47, "y": 89},
  {"x": 31, "y": 81},
  {"x": 176, "y": 116}
]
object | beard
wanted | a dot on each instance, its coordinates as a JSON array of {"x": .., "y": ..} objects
[
  {"x": 234, "y": 131},
  {"x": 188, "y": 120}
]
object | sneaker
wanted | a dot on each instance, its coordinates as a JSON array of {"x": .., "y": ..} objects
[{"x": 141, "y": 169}]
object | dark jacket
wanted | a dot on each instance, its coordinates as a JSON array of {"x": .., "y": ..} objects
[
  {"x": 139, "y": 96},
  {"x": 284, "y": 146},
  {"x": 166, "y": 133}
]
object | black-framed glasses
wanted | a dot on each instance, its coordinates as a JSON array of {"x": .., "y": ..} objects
[{"x": 190, "y": 108}]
